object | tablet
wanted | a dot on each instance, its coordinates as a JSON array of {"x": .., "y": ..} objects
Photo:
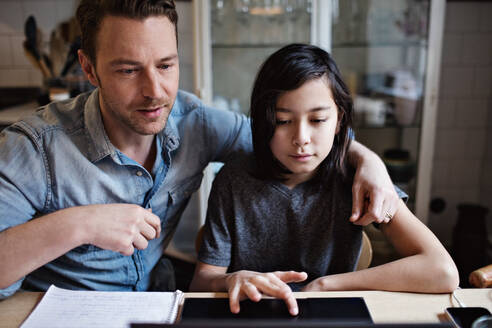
[
  {"x": 337, "y": 312},
  {"x": 352, "y": 309},
  {"x": 287, "y": 324}
]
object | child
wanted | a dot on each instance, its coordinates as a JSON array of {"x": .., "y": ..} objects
[{"x": 280, "y": 217}]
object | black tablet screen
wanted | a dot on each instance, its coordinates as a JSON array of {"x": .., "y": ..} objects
[{"x": 352, "y": 309}]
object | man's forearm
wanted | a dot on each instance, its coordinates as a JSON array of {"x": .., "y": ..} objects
[
  {"x": 357, "y": 153},
  {"x": 28, "y": 246}
]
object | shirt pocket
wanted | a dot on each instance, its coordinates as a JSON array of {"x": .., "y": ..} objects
[
  {"x": 79, "y": 259},
  {"x": 180, "y": 195},
  {"x": 89, "y": 257},
  {"x": 83, "y": 253}
]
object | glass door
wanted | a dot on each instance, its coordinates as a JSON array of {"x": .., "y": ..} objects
[{"x": 233, "y": 37}]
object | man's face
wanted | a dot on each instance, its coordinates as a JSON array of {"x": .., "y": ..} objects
[{"x": 137, "y": 71}]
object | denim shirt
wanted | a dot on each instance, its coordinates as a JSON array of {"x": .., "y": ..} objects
[{"x": 62, "y": 157}]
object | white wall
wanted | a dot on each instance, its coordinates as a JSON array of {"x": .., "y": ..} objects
[{"x": 463, "y": 151}]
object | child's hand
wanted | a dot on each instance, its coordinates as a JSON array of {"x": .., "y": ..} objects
[{"x": 249, "y": 284}]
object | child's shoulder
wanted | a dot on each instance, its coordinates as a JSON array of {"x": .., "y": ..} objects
[{"x": 239, "y": 168}]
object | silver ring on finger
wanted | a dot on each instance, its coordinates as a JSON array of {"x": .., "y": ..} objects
[{"x": 388, "y": 216}]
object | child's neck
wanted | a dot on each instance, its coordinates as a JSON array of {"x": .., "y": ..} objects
[{"x": 292, "y": 180}]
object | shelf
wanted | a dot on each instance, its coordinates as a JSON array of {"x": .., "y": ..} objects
[
  {"x": 247, "y": 46},
  {"x": 385, "y": 126},
  {"x": 370, "y": 44}
]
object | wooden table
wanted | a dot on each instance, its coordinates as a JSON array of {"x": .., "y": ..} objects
[{"x": 385, "y": 307}]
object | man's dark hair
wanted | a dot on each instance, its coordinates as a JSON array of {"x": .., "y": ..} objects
[
  {"x": 90, "y": 14},
  {"x": 285, "y": 70}
]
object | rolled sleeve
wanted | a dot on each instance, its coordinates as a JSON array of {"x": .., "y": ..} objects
[
  {"x": 9, "y": 291},
  {"x": 22, "y": 178},
  {"x": 403, "y": 195},
  {"x": 22, "y": 184}
]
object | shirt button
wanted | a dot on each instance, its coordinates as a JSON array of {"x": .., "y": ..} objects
[{"x": 139, "y": 173}]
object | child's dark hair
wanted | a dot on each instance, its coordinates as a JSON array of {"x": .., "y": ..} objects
[{"x": 285, "y": 70}]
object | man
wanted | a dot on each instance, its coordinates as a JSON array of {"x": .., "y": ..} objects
[{"x": 92, "y": 188}]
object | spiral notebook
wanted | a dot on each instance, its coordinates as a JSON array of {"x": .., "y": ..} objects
[{"x": 68, "y": 308}]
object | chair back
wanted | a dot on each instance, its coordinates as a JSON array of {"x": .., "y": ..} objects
[{"x": 365, "y": 257}]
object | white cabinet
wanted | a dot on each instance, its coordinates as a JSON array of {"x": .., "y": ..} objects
[
  {"x": 388, "y": 51},
  {"x": 233, "y": 37}
]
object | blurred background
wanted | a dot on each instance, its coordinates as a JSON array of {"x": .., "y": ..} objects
[{"x": 420, "y": 72}]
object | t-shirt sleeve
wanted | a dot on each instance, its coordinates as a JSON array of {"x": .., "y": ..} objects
[{"x": 216, "y": 245}]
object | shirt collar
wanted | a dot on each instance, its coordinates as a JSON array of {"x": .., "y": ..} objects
[
  {"x": 170, "y": 136},
  {"x": 100, "y": 146}
]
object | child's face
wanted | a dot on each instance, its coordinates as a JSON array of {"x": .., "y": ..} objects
[{"x": 307, "y": 121}]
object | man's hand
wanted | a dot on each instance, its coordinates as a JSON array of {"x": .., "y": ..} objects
[
  {"x": 120, "y": 227},
  {"x": 373, "y": 194},
  {"x": 249, "y": 284}
]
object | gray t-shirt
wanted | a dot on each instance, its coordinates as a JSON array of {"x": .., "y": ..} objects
[{"x": 263, "y": 226}]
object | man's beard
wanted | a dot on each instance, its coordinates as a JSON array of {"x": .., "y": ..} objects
[
  {"x": 143, "y": 126},
  {"x": 131, "y": 124}
]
